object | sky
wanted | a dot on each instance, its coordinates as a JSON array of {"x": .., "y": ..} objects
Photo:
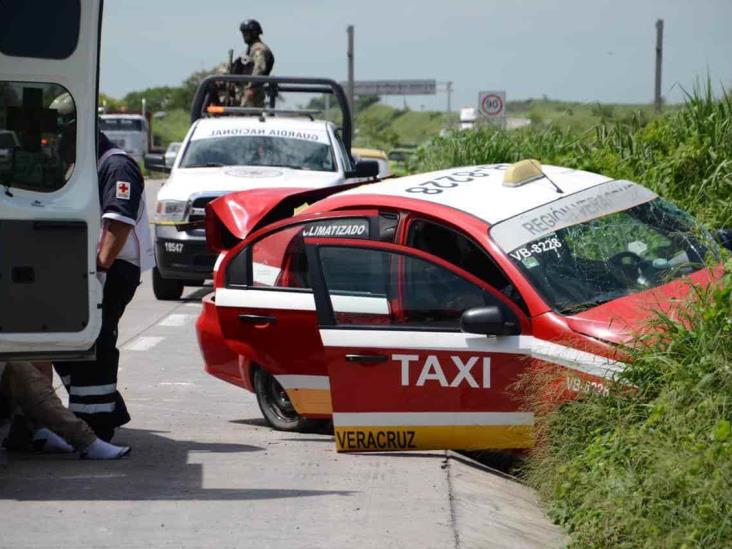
[{"x": 577, "y": 50}]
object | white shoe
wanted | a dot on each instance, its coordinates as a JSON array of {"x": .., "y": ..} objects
[{"x": 104, "y": 450}]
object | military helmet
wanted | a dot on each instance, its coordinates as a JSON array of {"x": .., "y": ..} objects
[{"x": 251, "y": 25}]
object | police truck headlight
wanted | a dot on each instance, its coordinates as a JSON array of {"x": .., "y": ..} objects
[{"x": 170, "y": 211}]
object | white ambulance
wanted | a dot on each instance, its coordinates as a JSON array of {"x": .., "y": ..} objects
[{"x": 50, "y": 298}]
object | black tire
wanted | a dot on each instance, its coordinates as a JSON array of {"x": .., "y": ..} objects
[
  {"x": 166, "y": 289},
  {"x": 275, "y": 405}
]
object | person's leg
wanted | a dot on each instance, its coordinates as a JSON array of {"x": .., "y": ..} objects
[
  {"x": 32, "y": 392},
  {"x": 92, "y": 386}
]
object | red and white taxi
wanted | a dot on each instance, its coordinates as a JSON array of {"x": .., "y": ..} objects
[{"x": 406, "y": 310}]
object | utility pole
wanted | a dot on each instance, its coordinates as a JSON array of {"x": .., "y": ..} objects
[
  {"x": 449, "y": 103},
  {"x": 659, "y": 59},
  {"x": 350, "y": 69}
]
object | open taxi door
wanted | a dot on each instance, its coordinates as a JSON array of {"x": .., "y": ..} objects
[
  {"x": 49, "y": 208},
  {"x": 402, "y": 373}
]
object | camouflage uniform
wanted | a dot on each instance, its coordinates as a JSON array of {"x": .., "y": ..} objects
[{"x": 257, "y": 61}]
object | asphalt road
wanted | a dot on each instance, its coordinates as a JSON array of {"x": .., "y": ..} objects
[{"x": 206, "y": 471}]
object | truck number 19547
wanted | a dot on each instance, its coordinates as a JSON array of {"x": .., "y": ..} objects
[{"x": 173, "y": 247}]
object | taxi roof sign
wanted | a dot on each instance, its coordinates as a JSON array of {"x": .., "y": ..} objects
[{"x": 522, "y": 172}]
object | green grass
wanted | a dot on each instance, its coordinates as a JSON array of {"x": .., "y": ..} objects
[
  {"x": 579, "y": 116},
  {"x": 173, "y": 126}
]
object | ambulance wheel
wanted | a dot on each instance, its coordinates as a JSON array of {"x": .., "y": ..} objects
[
  {"x": 276, "y": 406},
  {"x": 166, "y": 289}
]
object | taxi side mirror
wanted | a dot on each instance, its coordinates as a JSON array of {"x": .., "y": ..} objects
[
  {"x": 156, "y": 163},
  {"x": 488, "y": 320},
  {"x": 365, "y": 168},
  {"x": 724, "y": 237}
]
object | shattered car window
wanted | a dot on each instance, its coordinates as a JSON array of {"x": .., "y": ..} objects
[{"x": 601, "y": 259}]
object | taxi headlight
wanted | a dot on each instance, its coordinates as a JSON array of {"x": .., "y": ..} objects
[{"x": 170, "y": 211}]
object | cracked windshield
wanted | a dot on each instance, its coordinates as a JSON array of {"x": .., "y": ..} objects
[
  {"x": 584, "y": 265},
  {"x": 302, "y": 154}
]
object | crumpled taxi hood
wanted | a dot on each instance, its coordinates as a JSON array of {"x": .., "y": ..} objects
[
  {"x": 619, "y": 320},
  {"x": 184, "y": 182}
]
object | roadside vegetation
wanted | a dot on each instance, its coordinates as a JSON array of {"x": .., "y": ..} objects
[{"x": 650, "y": 467}]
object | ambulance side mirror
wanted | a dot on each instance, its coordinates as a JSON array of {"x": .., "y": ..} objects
[{"x": 487, "y": 321}]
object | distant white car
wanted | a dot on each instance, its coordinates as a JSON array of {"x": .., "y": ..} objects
[
  {"x": 128, "y": 132},
  {"x": 468, "y": 117},
  {"x": 377, "y": 156},
  {"x": 171, "y": 153}
]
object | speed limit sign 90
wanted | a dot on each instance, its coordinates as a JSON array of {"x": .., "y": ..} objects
[{"x": 492, "y": 104}]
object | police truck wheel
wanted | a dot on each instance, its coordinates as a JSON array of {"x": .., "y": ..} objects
[
  {"x": 166, "y": 289},
  {"x": 276, "y": 407}
]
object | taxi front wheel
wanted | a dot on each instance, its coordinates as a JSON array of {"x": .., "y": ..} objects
[
  {"x": 166, "y": 289},
  {"x": 276, "y": 406}
]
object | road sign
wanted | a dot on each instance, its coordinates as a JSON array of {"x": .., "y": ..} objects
[
  {"x": 394, "y": 87},
  {"x": 492, "y": 105}
]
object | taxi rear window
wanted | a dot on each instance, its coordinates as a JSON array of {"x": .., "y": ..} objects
[{"x": 278, "y": 260}]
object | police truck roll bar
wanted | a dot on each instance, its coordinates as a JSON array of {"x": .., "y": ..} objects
[{"x": 207, "y": 96}]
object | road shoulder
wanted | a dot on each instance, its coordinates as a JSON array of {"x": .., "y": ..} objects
[{"x": 490, "y": 509}]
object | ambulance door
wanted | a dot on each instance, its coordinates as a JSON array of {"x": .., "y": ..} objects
[
  {"x": 410, "y": 379},
  {"x": 49, "y": 207},
  {"x": 266, "y": 307}
]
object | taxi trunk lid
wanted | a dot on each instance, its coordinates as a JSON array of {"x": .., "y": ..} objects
[{"x": 230, "y": 218}]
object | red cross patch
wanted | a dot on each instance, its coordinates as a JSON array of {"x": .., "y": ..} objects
[{"x": 123, "y": 190}]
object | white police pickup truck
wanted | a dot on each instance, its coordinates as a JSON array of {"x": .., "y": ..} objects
[{"x": 236, "y": 149}]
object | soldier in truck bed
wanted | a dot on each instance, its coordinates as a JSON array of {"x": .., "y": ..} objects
[{"x": 258, "y": 61}]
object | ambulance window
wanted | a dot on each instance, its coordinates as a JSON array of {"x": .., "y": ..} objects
[
  {"x": 377, "y": 287},
  {"x": 24, "y": 33},
  {"x": 461, "y": 251},
  {"x": 37, "y": 136}
]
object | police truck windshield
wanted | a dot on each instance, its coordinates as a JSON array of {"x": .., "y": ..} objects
[
  {"x": 259, "y": 150},
  {"x": 610, "y": 256}
]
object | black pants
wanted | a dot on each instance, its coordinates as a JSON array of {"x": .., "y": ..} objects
[{"x": 92, "y": 386}]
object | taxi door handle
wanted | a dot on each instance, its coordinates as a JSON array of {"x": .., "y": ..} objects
[
  {"x": 257, "y": 319},
  {"x": 367, "y": 359}
]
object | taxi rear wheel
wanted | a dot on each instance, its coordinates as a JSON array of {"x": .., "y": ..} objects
[
  {"x": 166, "y": 289},
  {"x": 276, "y": 406}
]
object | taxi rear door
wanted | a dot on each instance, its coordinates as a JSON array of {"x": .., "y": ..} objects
[
  {"x": 49, "y": 208},
  {"x": 266, "y": 307},
  {"x": 408, "y": 378}
]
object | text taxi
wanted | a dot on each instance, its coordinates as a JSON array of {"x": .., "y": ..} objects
[{"x": 407, "y": 310}]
